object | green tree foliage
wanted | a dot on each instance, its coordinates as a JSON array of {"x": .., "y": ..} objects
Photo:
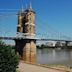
[{"x": 8, "y": 58}]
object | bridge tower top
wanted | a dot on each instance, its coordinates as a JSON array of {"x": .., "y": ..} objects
[{"x": 26, "y": 21}]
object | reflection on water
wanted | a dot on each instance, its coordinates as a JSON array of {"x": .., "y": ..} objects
[{"x": 54, "y": 56}]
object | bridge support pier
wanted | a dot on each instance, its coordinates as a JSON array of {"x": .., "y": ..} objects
[{"x": 26, "y": 49}]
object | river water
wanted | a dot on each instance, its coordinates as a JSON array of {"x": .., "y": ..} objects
[{"x": 54, "y": 56}]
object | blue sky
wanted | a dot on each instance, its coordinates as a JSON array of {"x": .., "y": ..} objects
[{"x": 50, "y": 15}]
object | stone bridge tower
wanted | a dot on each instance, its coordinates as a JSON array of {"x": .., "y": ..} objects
[{"x": 26, "y": 27}]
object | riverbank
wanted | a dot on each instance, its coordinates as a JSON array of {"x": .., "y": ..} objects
[{"x": 27, "y": 67}]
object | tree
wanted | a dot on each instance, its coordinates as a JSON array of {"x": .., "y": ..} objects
[
  {"x": 8, "y": 58},
  {"x": 58, "y": 44}
]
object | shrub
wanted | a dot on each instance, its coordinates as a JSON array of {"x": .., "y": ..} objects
[{"x": 8, "y": 59}]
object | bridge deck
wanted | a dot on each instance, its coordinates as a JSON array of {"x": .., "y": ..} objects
[{"x": 39, "y": 39}]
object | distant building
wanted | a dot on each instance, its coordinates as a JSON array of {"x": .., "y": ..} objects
[
  {"x": 70, "y": 44},
  {"x": 60, "y": 43},
  {"x": 50, "y": 43}
]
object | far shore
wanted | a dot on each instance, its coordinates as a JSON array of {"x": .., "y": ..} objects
[{"x": 55, "y": 47}]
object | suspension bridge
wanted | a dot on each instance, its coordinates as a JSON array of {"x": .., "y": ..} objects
[
  {"x": 26, "y": 36},
  {"x": 49, "y": 35}
]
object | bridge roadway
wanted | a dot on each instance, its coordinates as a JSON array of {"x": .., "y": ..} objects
[{"x": 36, "y": 38}]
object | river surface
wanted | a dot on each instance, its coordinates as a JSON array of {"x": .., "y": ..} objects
[{"x": 54, "y": 56}]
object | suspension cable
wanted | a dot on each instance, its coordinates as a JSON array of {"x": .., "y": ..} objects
[{"x": 46, "y": 27}]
